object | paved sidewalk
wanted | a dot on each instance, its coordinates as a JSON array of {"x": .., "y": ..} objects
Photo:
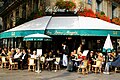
[{"x": 6, "y": 74}]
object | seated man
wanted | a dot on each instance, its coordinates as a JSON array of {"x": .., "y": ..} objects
[
  {"x": 17, "y": 57},
  {"x": 115, "y": 63},
  {"x": 24, "y": 58}
]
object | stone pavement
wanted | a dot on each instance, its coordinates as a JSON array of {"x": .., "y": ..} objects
[{"x": 6, "y": 74}]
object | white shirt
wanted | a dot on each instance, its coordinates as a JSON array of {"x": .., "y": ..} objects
[
  {"x": 23, "y": 56},
  {"x": 64, "y": 46},
  {"x": 17, "y": 55},
  {"x": 34, "y": 56}
]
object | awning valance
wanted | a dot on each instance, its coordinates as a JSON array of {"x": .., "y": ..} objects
[
  {"x": 36, "y": 37},
  {"x": 34, "y": 26},
  {"x": 83, "y": 26},
  {"x": 70, "y": 26}
]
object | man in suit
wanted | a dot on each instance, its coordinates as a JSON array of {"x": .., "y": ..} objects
[
  {"x": 24, "y": 59},
  {"x": 115, "y": 63}
]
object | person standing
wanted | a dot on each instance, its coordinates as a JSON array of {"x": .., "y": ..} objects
[
  {"x": 79, "y": 50},
  {"x": 65, "y": 52},
  {"x": 65, "y": 49}
]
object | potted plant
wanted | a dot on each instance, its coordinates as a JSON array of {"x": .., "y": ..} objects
[
  {"x": 116, "y": 21},
  {"x": 67, "y": 5},
  {"x": 86, "y": 13},
  {"x": 101, "y": 15}
]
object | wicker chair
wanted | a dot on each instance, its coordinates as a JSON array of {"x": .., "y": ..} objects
[
  {"x": 12, "y": 64},
  {"x": 57, "y": 65},
  {"x": 4, "y": 62},
  {"x": 83, "y": 67},
  {"x": 31, "y": 63},
  {"x": 42, "y": 61},
  {"x": 97, "y": 66}
]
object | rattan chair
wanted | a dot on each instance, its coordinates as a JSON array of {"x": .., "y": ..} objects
[
  {"x": 12, "y": 65},
  {"x": 97, "y": 66},
  {"x": 84, "y": 67},
  {"x": 57, "y": 63},
  {"x": 4, "y": 62},
  {"x": 31, "y": 63},
  {"x": 42, "y": 61}
]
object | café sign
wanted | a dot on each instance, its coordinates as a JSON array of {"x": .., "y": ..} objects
[{"x": 56, "y": 9}]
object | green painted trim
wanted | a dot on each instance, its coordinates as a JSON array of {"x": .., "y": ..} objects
[
  {"x": 31, "y": 39},
  {"x": 20, "y": 33},
  {"x": 83, "y": 32},
  {"x": 36, "y": 39}
]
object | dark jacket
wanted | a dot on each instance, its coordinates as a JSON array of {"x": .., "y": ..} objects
[
  {"x": 66, "y": 50},
  {"x": 116, "y": 62}
]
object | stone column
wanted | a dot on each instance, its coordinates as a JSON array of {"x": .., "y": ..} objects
[
  {"x": 94, "y": 6},
  {"x": 8, "y": 22},
  {"x": 105, "y": 7},
  {"x": 20, "y": 11},
  {"x": 32, "y": 8},
  {"x": 27, "y": 10},
  {"x": 118, "y": 12},
  {"x": 109, "y": 9},
  {"x": 14, "y": 18}
]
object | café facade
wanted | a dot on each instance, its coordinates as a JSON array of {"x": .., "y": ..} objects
[{"x": 73, "y": 30}]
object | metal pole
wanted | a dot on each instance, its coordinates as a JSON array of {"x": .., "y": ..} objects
[{"x": 38, "y": 65}]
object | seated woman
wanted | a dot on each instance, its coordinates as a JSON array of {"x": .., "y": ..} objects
[
  {"x": 91, "y": 59},
  {"x": 34, "y": 55},
  {"x": 49, "y": 63},
  {"x": 3, "y": 53},
  {"x": 72, "y": 55},
  {"x": 49, "y": 55},
  {"x": 9, "y": 54},
  {"x": 110, "y": 57},
  {"x": 100, "y": 57},
  {"x": 115, "y": 63},
  {"x": 80, "y": 55}
]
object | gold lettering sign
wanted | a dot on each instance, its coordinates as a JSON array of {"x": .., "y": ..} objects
[
  {"x": 115, "y": 32},
  {"x": 13, "y": 34}
]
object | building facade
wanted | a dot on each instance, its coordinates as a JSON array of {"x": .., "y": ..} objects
[
  {"x": 16, "y": 12},
  {"x": 12, "y": 11}
]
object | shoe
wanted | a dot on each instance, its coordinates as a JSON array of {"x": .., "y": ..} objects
[
  {"x": 40, "y": 71},
  {"x": 106, "y": 73},
  {"x": 55, "y": 70}
]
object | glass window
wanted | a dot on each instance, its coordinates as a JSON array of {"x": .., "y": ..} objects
[
  {"x": 89, "y": 1},
  {"x": 113, "y": 11},
  {"x": 98, "y": 5},
  {"x": 24, "y": 11}
]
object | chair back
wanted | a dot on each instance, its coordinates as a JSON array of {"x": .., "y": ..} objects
[
  {"x": 85, "y": 63},
  {"x": 58, "y": 59},
  {"x": 31, "y": 61},
  {"x": 42, "y": 59},
  {"x": 45, "y": 55},
  {"x": 98, "y": 63},
  {"x": 3, "y": 59},
  {"x": 10, "y": 60}
]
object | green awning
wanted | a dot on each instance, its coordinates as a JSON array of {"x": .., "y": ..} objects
[
  {"x": 81, "y": 26},
  {"x": 37, "y": 37},
  {"x": 83, "y": 32},
  {"x": 34, "y": 26},
  {"x": 21, "y": 33}
]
